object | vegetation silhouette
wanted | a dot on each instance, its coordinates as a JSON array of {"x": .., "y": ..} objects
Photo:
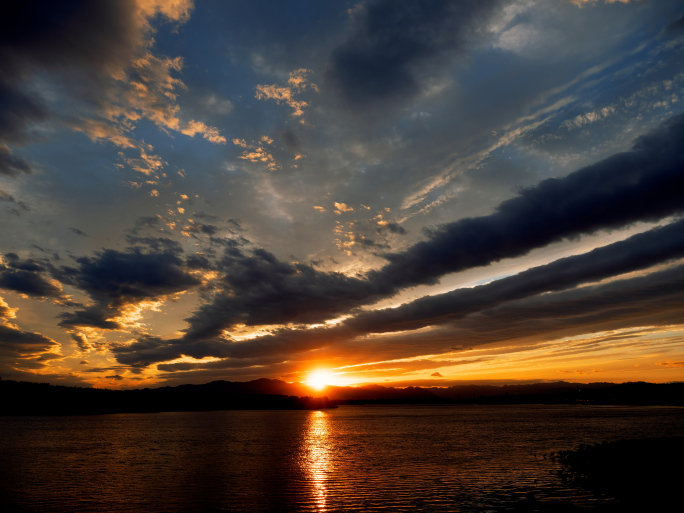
[
  {"x": 642, "y": 474},
  {"x": 24, "y": 398}
]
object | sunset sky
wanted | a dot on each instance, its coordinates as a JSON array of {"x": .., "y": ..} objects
[{"x": 395, "y": 192}]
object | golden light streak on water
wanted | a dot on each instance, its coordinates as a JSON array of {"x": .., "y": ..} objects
[{"x": 318, "y": 458}]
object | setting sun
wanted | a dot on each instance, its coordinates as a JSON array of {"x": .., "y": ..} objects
[{"x": 319, "y": 379}]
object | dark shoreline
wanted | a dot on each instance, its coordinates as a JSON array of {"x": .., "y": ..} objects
[{"x": 24, "y": 398}]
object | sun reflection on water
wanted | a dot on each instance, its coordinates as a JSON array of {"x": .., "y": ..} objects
[{"x": 318, "y": 457}]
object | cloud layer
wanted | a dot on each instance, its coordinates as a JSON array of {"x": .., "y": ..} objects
[{"x": 414, "y": 190}]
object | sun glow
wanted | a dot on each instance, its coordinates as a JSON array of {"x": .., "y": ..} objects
[{"x": 319, "y": 379}]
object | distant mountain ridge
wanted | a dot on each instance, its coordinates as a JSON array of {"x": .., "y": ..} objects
[{"x": 24, "y": 398}]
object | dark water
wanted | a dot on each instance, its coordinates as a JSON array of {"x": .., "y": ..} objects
[{"x": 355, "y": 458}]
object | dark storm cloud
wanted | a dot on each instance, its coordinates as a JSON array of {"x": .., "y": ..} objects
[
  {"x": 654, "y": 299},
  {"x": 81, "y": 342},
  {"x": 638, "y": 252},
  {"x": 14, "y": 342},
  {"x": 84, "y": 33},
  {"x": 86, "y": 36},
  {"x": 644, "y": 184},
  {"x": 27, "y": 282},
  {"x": 115, "y": 279},
  {"x": 27, "y": 264},
  {"x": 635, "y": 253},
  {"x": 260, "y": 289},
  {"x": 395, "y": 45},
  {"x": 26, "y": 277},
  {"x": 149, "y": 349},
  {"x": 94, "y": 317},
  {"x": 132, "y": 274}
]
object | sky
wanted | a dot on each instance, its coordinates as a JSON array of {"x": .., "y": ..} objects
[{"x": 392, "y": 192}]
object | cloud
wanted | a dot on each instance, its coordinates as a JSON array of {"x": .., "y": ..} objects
[
  {"x": 5, "y": 311},
  {"x": 260, "y": 289},
  {"x": 257, "y": 152},
  {"x": 391, "y": 227},
  {"x": 78, "y": 232},
  {"x": 638, "y": 252},
  {"x": 5, "y": 196},
  {"x": 257, "y": 289},
  {"x": 671, "y": 364},
  {"x": 91, "y": 37},
  {"x": 588, "y": 118},
  {"x": 210, "y": 133},
  {"x": 297, "y": 83},
  {"x": 30, "y": 283},
  {"x": 81, "y": 342},
  {"x": 26, "y": 277},
  {"x": 11, "y": 165},
  {"x": 580, "y": 3},
  {"x": 651, "y": 300},
  {"x": 397, "y": 46},
  {"x": 96, "y": 57},
  {"x": 193, "y": 228},
  {"x": 639, "y": 185},
  {"x": 655, "y": 300},
  {"x": 116, "y": 281},
  {"x": 342, "y": 207},
  {"x": 15, "y": 343}
]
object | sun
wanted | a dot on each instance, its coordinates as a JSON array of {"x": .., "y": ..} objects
[{"x": 319, "y": 379}]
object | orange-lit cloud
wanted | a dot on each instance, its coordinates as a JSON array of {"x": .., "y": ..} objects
[
  {"x": 140, "y": 85},
  {"x": 342, "y": 207},
  {"x": 671, "y": 364},
  {"x": 286, "y": 94},
  {"x": 258, "y": 153}
]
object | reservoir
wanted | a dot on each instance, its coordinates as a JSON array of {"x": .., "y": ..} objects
[{"x": 456, "y": 458}]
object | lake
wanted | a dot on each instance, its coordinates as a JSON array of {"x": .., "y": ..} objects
[{"x": 457, "y": 458}]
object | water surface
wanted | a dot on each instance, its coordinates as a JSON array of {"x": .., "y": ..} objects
[{"x": 356, "y": 458}]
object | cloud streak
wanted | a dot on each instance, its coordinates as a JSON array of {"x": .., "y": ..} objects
[
  {"x": 396, "y": 47},
  {"x": 413, "y": 141}
]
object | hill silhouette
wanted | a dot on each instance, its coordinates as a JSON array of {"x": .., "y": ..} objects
[{"x": 24, "y": 398}]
